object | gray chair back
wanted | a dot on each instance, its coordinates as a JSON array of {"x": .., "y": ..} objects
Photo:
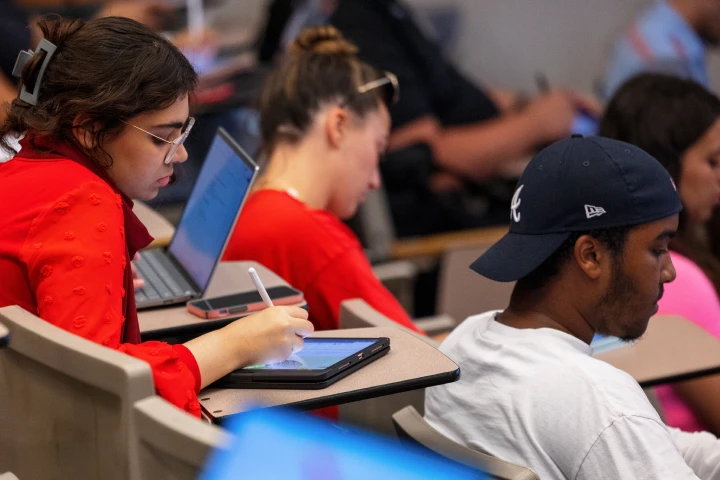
[
  {"x": 66, "y": 403},
  {"x": 462, "y": 292},
  {"x": 377, "y": 231},
  {"x": 411, "y": 426},
  {"x": 172, "y": 444}
]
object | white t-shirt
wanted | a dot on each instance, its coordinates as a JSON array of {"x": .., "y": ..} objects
[{"x": 536, "y": 397}]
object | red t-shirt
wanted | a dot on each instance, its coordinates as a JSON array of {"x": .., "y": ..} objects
[
  {"x": 63, "y": 257},
  {"x": 314, "y": 252}
]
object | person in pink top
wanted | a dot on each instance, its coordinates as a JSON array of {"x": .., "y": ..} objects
[{"x": 677, "y": 121}]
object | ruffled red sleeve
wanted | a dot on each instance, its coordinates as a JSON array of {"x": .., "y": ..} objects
[{"x": 75, "y": 258}]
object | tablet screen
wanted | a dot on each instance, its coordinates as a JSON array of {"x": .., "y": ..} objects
[{"x": 319, "y": 354}]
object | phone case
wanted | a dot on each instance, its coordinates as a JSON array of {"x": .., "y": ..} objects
[{"x": 194, "y": 307}]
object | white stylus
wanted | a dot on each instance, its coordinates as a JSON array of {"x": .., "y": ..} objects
[{"x": 260, "y": 287}]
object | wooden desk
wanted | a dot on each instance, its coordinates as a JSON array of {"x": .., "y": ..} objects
[
  {"x": 410, "y": 364},
  {"x": 4, "y": 335},
  {"x": 673, "y": 349},
  {"x": 435, "y": 245},
  {"x": 157, "y": 225},
  {"x": 230, "y": 277}
]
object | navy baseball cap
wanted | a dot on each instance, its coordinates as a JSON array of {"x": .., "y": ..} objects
[{"x": 577, "y": 185}]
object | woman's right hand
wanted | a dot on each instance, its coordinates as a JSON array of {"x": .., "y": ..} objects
[{"x": 271, "y": 335}]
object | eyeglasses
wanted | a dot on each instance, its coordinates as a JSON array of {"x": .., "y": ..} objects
[
  {"x": 390, "y": 87},
  {"x": 174, "y": 144}
]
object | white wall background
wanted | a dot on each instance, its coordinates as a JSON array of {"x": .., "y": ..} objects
[{"x": 506, "y": 42}]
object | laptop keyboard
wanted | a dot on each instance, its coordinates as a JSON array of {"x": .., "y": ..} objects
[{"x": 159, "y": 285}]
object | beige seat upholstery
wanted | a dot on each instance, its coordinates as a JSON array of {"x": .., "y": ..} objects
[
  {"x": 172, "y": 444},
  {"x": 66, "y": 403},
  {"x": 374, "y": 413},
  {"x": 462, "y": 292},
  {"x": 410, "y": 425},
  {"x": 7, "y": 476},
  {"x": 356, "y": 313},
  {"x": 376, "y": 226},
  {"x": 399, "y": 278}
]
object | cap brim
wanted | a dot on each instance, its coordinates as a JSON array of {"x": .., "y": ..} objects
[{"x": 516, "y": 255}]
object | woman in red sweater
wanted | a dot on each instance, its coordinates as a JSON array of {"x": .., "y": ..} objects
[
  {"x": 104, "y": 112},
  {"x": 325, "y": 125}
]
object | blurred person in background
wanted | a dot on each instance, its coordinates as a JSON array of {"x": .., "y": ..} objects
[
  {"x": 452, "y": 139},
  {"x": 672, "y": 37}
]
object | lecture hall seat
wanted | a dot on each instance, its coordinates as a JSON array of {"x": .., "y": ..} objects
[
  {"x": 172, "y": 444},
  {"x": 66, "y": 403},
  {"x": 412, "y": 427},
  {"x": 374, "y": 413}
]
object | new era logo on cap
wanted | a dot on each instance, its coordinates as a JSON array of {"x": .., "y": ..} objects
[{"x": 593, "y": 211}]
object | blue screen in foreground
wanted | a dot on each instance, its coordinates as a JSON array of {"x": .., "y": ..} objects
[{"x": 278, "y": 444}]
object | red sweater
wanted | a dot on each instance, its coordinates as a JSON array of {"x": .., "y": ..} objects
[
  {"x": 66, "y": 239},
  {"x": 314, "y": 252}
]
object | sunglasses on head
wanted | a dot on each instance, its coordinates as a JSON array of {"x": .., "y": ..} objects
[
  {"x": 389, "y": 93},
  {"x": 388, "y": 83}
]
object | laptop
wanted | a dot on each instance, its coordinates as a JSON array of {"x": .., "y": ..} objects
[
  {"x": 183, "y": 270},
  {"x": 275, "y": 443}
]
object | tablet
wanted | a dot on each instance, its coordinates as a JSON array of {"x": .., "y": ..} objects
[{"x": 322, "y": 362}]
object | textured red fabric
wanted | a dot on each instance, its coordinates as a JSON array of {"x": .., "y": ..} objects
[
  {"x": 314, "y": 252},
  {"x": 186, "y": 357},
  {"x": 64, "y": 256}
]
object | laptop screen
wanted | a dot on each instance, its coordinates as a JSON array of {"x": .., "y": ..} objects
[
  {"x": 212, "y": 208},
  {"x": 278, "y": 444}
]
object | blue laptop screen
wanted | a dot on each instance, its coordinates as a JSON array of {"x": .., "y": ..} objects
[
  {"x": 276, "y": 444},
  {"x": 211, "y": 210}
]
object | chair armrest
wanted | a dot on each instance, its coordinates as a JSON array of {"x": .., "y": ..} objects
[
  {"x": 435, "y": 325},
  {"x": 394, "y": 271}
]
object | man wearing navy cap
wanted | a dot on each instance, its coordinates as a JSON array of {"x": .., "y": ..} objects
[{"x": 590, "y": 223}]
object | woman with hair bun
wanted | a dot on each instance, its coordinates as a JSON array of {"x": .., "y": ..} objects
[
  {"x": 324, "y": 124},
  {"x": 103, "y": 108}
]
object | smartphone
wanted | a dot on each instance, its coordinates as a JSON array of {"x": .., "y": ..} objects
[
  {"x": 585, "y": 124},
  {"x": 245, "y": 302}
]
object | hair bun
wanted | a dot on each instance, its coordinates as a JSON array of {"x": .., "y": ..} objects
[{"x": 324, "y": 40}]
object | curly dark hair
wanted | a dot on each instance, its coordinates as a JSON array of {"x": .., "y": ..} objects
[{"x": 103, "y": 71}]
